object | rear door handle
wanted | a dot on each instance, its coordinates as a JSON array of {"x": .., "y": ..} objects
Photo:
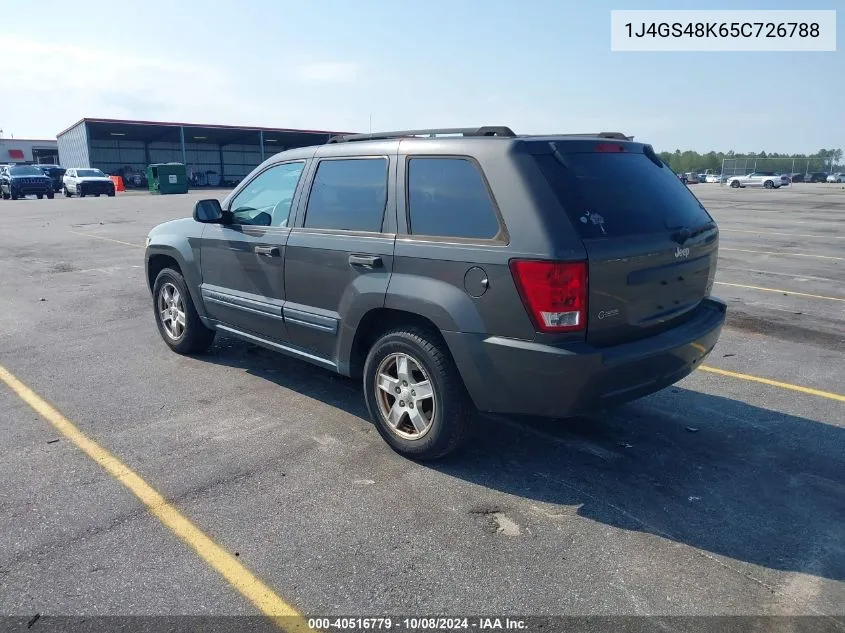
[
  {"x": 365, "y": 261},
  {"x": 269, "y": 251}
]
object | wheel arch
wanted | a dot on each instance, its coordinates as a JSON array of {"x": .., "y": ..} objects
[
  {"x": 161, "y": 256},
  {"x": 375, "y": 323}
]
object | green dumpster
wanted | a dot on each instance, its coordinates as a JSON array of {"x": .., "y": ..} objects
[{"x": 167, "y": 178}]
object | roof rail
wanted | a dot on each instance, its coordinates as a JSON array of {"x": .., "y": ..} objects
[
  {"x": 486, "y": 130},
  {"x": 617, "y": 135}
]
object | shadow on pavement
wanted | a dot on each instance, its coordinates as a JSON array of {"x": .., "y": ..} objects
[{"x": 713, "y": 473}]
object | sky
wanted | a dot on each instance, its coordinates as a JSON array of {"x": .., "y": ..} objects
[{"x": 540, "y": 66}]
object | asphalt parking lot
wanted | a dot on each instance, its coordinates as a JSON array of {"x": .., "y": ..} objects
[{"x": 724, "y": 494}]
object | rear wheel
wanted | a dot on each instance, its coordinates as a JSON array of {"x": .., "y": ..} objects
[
  {"x": 735, "y": 184},
  {"x": 415, "y": 394},
  {"x": 177, "y": 319},
  {"x": 51, "y": 195},
  {"x": 111, "y": 193}
]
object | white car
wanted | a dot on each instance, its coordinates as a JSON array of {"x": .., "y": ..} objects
[
  {"x": 714, "y": 178},
  {"x": 756, "y": 179},
  {"x": 86, "y": 181},
  {"x": 840, "y": 177}
]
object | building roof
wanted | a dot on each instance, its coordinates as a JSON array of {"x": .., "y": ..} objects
[
  {"x": 152, "y": 131},
  {"x": 27, "y": 140}
]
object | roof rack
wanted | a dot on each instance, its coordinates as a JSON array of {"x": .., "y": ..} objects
[
  {"x": 617, "y": 135},
  {"x": 486, "y": 130}
]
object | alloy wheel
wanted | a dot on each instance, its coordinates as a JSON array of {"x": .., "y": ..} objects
[
  {"x": 172, "y": 311},
  {"x": 405, "y": 396}
]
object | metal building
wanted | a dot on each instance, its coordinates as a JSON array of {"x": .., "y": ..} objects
[
  {"x": 213, "y": 154},
  {"x": 28, "y": 150}
]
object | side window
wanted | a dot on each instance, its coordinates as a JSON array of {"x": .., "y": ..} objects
[
  {"x": 267, "y": 199},
  {"x": 348, "y": 195},
  {"x": 447, "y": 197}
]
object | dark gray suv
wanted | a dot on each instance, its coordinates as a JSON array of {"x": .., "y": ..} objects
[{"x": 454, "y": 271}]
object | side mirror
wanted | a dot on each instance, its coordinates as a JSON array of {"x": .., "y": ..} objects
[{"x": 208, "y": 211}]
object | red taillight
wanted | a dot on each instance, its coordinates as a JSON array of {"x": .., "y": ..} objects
[
  {"x": 609, "y": 147},
  {"x": 555, "y": 293}
]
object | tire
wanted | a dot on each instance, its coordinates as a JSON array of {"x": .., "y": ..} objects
[
  {"x": 769, "y": 184},
  {"x": 111, "y": 193},
  {"x": 51, "y": 195},
  {"x": 66, "y": 192},
  {"x": 735, "y": 184},
  {"x": 12, "y": 195},
  {"x": 79, "y": 193},
  {"x": 194, "y": 337},
  {"x": 446, "y": 415}
]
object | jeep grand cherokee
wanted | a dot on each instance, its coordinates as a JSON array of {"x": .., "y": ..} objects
[{"x": 453, "y": 271}]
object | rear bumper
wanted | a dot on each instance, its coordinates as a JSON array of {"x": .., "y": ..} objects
[{"x": 527, "y": 378}]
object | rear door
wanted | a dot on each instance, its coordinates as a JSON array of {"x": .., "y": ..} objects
[
  {"x": 339, "y": 256},
  {"x": 243, "y": 281},
  {"x": 651, "y": 245}
]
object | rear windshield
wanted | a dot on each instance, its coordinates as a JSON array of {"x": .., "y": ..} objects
[{"x": 621, "y": 193}]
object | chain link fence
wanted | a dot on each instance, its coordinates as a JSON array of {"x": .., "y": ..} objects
[{"x": 798, "y": 169}]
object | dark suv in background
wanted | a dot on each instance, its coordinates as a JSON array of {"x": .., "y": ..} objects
[
  {"x": 18, "y": 181},
  {"x": 56, "y": 173},
  {"x": 453, "y": 270}
]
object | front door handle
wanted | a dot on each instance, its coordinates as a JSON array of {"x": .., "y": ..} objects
[
  {"x": 269, "y": 251},
  {"x": 365, "y": 261}
]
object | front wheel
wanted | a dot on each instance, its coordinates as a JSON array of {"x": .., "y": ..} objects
[
  {"x": 51, "y": 195},
  {"x": 415, "y": 394},
  {"x": 177, "y": 319},
  {"x": 769, "y": 184},
  {"x": 735, "y": 184}
]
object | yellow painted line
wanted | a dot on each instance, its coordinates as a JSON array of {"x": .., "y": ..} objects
[
  {"x": 827, "y": 237},
  {"x": 107, "y": 239},
  {"x": 744, "y": 250},
  {"x": 786, "y": 292},
  {"x": 774, "y": 383},
  {"x": 259, "y": 594}
]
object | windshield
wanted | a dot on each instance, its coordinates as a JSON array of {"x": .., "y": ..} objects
[
  {"x": 620, "y": 194},
  {"x": 26, "y": 170},
  {"x": 90, "y": 173}
]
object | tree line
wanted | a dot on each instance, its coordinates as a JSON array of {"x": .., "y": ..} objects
[{"x": 828, "y": 160}]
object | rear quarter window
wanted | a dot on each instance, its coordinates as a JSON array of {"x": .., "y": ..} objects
[
  {"x": 448, "y": 197},
  {"x": 613, "y": 194}
]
